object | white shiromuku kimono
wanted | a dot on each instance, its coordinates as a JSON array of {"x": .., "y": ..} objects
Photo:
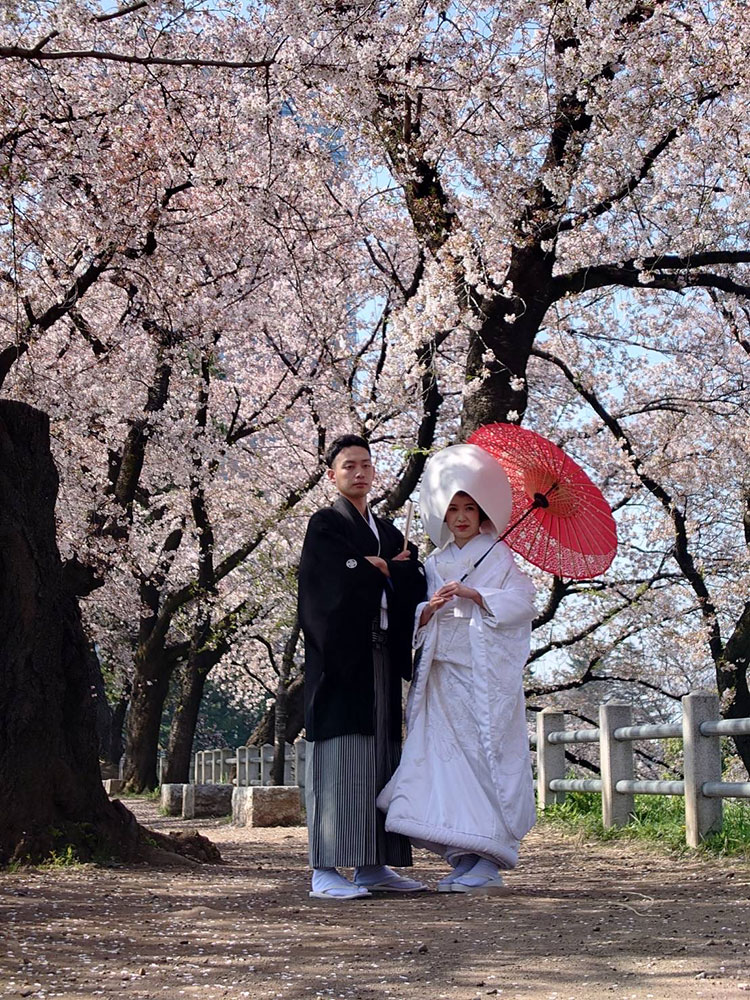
[{"x": 464, "y": 784}]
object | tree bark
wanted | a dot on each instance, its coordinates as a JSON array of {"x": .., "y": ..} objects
[
  {"x": 144, "y": 721},
  {"x": 119, "y": 713},
  {"x": 282, "y": 706},
  {"x": 295, "y": 719},
  {"x": 51, "y": 794},
  {"x": 182, "y": 730}
]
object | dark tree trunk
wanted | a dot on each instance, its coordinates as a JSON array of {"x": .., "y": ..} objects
[
  {"x": 51, "y": 794},
  {"x": 731, "y": 675},
  {"x": 509, "y": 329},
  {"x": 281, "y": 708},
  {"x": 182, "y": 731},
  {"x": 150, "y": 688},
  {"x": 264, "y": 732},
  {"x": 119, "y": 713},
  {"x": 279, "y": 733},
  {"x": 104, "y": 713}
]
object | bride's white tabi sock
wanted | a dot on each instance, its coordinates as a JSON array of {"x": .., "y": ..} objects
[
  {"x": 383, "y": 879},
  {"x": 483, "y": 873},
  {"x": 462, "y": 866}
]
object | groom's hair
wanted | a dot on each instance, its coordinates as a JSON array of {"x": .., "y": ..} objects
[{"x": 344, "y": 441}]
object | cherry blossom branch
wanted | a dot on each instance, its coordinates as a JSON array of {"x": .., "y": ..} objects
[
  {"x": 269, "y": 649},
  {"x": 682, "y": 553},
  {"x": 198, "y": 505},
  {"x": 42, "y": 322},
  {"x": 648, "y": 273},
  {"x": 38, "y": 54},
  {"x": 432, "y": 400},
  {"x": 121, "y": 11},
  {"x": 731, "y": 319},
  {"x": 593, "y": 627},
  {"x": 551, "y": 229}
]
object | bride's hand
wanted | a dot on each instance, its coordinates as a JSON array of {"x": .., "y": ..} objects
[
  {"x": 457, "y": 589},
  {"x": 434, "y": 604}
]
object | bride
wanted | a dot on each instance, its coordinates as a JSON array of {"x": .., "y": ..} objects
[{"x": 464, "y": 787}]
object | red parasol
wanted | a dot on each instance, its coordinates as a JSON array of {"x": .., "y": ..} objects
[{"x": 560, "y": 521}]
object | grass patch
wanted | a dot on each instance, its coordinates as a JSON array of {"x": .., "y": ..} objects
[
  {"x": 150, "y": 795},
  {"x": 658, "y": 820}
]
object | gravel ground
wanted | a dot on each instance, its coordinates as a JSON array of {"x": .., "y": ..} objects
[{"x": 578, "y": 921}]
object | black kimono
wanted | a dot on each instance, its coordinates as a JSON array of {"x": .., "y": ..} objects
[{"x": 353, "y": 674}]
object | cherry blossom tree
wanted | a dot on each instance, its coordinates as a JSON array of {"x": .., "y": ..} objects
[{"x": 403, "y": 218}]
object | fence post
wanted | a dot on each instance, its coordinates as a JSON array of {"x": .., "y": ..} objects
[
  {"x": 240, "y": 754},
  {"x": 288, "y": 757},
  {"x": 300, "y": 760},
  {"x": 266, "y": 762},
  {"x": 702, "y": 763},
  {"x": 616, "y": 758},
  {"x": 253, "y": 766},
  {"x": 550, "y": 757}
]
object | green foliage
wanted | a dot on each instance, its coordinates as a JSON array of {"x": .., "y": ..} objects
[
  {"x": 150, "y": 794},
  {"x": 733, "y": 839},
  {"x": 66, "y": 858},
  {"x": 657, "y": 819},
  {"x": 221, "y": 723},
  {"x": 65, "y": 846}
]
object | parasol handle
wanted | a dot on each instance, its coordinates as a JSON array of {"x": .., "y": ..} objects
[{"x": 407, "y": 529}]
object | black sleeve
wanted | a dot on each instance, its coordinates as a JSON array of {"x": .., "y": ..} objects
[
  {"x": 408, "y": 578},
  {"x": 339, "y": 590}
]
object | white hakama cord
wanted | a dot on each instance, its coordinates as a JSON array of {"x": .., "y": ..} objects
[{"x": 464, "y": 784}]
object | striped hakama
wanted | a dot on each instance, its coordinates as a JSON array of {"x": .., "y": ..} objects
[{"x": 344, "y": 777}]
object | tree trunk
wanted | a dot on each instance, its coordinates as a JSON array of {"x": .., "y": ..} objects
[
  {"x": 182, "y": 731},
  {"x": 150, "y": 688},
  {"x": 51, "y": 794},
  {"x": 104, "y": 713},
  {"x": 279, "y": 732},
  {"x": 264, "y": 732},
  {"x": 731, "y": 676},
  {"x": 119, "y": 713}
]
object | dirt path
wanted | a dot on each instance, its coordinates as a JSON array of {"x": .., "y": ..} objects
[{"x": 578, "y": 922}]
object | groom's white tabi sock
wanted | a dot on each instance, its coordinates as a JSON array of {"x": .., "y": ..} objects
[{"x": 329, "y": 882}]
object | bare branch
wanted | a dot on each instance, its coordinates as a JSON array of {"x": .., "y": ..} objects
[
  {"x": 121, "y": 11},
  {"x": 36, "y": 54}
]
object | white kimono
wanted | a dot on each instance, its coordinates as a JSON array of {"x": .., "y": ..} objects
[{"x": 464, "y": 784}]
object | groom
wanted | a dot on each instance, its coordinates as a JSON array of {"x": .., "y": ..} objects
[{"x": 358, "y": 589}]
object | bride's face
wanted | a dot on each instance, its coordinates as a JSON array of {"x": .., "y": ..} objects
[{"x": 462, "y": 518}]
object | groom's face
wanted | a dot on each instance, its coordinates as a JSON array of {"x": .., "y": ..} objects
[{"x": 352, "y": 472}]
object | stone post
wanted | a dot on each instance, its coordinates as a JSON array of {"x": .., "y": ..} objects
[
  {"x": 288, "y": 758},
  {"x": 616, "y": 763},
  {"x": 702, "y": 763},
  {"x": 550, "y": 757},
  {"x": 241, "y": 757},
  {"x": 225, "y": 768},
  {"x": 266, "y": 761},
  {"x": 253, "y": 765},
  {"x": 300, "y": 762}
]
